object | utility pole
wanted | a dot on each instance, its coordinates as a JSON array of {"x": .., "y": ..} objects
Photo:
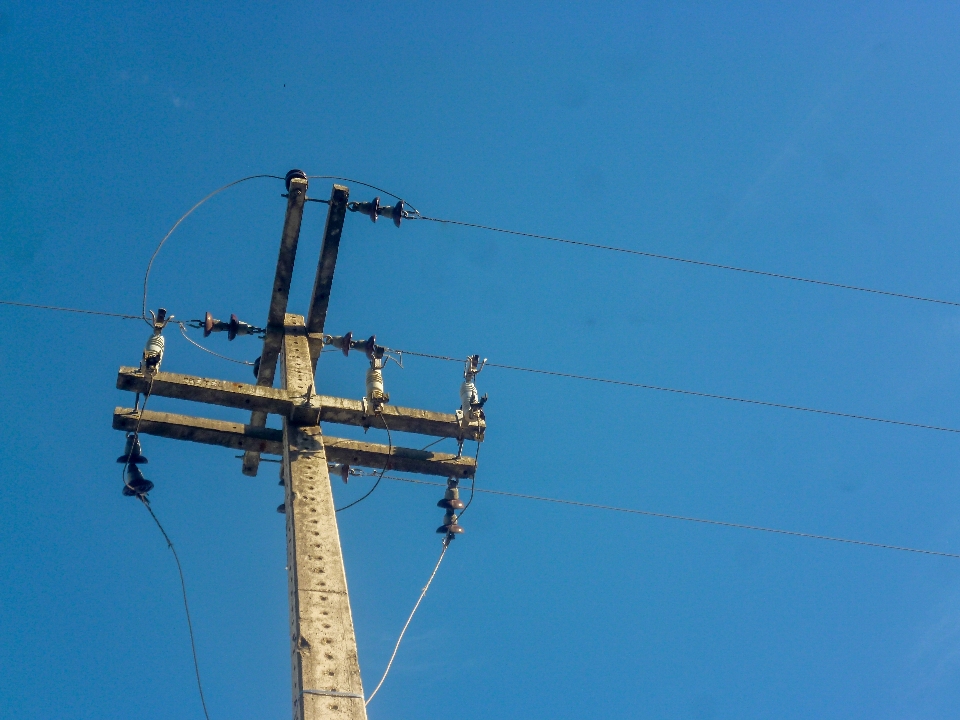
[{"x": 325, "y": 666}]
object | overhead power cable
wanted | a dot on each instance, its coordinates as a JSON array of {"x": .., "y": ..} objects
[
  {"x": 186, "y": 607},
  {"x": 704, "y": 521},
  {"x": 688, "y": 261},
  {"x": 71, "y": 310},
  {"x": 694, "y": 393},
  {"x": 588, "y": 378}
]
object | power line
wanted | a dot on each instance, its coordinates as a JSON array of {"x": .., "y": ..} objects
[
  {"x": 702, "y": 263},
  {"x": 186, "y": 607},
  {"x": 72, "y": 310},
  {"x": 694, "y": 393},
  {"x": 684, "y": 518},
  {"x": 586, "y": 378}
]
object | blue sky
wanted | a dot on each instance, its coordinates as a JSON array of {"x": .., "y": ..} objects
[{"x": 815, "y": 140}]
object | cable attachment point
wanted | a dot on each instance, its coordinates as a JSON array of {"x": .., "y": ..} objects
[
  {"x": 135, "y": 484},
  {"x": 233, "y": 328},
  {"x": 451, "y": 503},
  {"x": 153, "y": 351},
  {"x": 471, "y": 404},
  {"x": 374, "y": 209},
  {"x": 343, "y": 470}
]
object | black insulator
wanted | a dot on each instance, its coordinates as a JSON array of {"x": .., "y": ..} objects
[
  {"x": 232, "y": 327},
  {"x": 294, "y": 174},
  {"x": 450, "y": 526},
  {"x": 397, "y": 213},
  {"x": 209, "y": 322},
  {"x": 370, "y": 209},
  {"x": 136, "y": 484},
  {"x": 256, "y": 368},
  {"x": 347, "y": 339},
  {"x": 451, "y": 498},
  {"x": 370, "y": 347},
  {"x": 132, "y": 453},
  {"x": 282, "y": 509}
]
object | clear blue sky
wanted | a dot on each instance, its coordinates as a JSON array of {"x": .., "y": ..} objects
[{"x": 817, "y": 140}]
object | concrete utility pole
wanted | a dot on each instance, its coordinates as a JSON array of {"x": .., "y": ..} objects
[{"x": 325, "y": 667}]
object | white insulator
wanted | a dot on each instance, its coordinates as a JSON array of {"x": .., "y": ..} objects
[
  {"x": 468, "y": 397},
  {"x": 374, "y": 385},
  {"x": 152, "y": 354}
]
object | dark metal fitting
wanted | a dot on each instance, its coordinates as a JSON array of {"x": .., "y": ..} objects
[
  {"x": 132, "y": 453},
  {"x": 294, "y": 174},
  {"x": 136, "y": 484}
]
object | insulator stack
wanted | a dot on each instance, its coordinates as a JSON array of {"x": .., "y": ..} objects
[
  {"x": 153, "y": 352},
  {"x": 374, "y": 209},
  {"x": 233, "y": 328},
  {"x": 451, "y": 503},
  {"x": 375, "y": 393},
  {"x": 135, "y": 484}
]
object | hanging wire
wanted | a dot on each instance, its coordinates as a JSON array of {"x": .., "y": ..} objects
[
  {"x": 386, "y": 466},
  {"x": 186, "y": 606},
  {"x": 183, "y": 585},
  {"x": 684, "y": 518},
  {"x": 446, "y": 544},
  {"x": 183, "y": 331},
  {"x": 688, "y": 261},
  {"x": 695, "y": 393},
  {"x": 72, "y": 310},
  {"x": 146, "y": 276}
]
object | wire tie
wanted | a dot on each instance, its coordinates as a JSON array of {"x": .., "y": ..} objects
[{"x": 332, "y": 693}]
